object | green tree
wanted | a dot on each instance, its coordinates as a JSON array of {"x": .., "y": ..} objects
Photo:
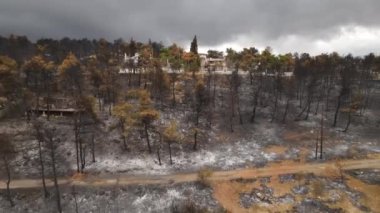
[
  {"x": 214, "y": 54},
  {"x": 194, "y": 46},
  {"x": 233, "y": 59}
]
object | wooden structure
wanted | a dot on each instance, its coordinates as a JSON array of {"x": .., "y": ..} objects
[{"x": 56, "y": 112}]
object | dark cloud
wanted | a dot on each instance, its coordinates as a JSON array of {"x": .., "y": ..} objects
[{"x": 214, "y": 21}]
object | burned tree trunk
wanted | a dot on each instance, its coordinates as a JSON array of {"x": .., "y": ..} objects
[
  {"x": 195, "y": 140},
  {"x": 286, "y": 110},
  {"x": 48, "y": 104},
  {"x": 38, "y": 127},
  {"x": 300, "y": 93},
  {"x": 93, "y": 148},
  {"x": 239, "y": 111},
  {"x": 75, "y": 198},
  {"x": 83, "y": 157},
  {"x": 170, "y": 153},
  {"x": 99, "y": 100},
  {"x": 275, "y": 107},
  {"x": 42, "y": 168},
  {"x": 52, "y": 155},
  {"x": 321, "y": 137},
  {"x": 232, "y": 112},
  {"x": 214, "y": 90},
  {"x": 158, "y": 155},
  {"x": 234, "y": 94},
  {"x": 251, "y": 77},
  {"x": 110, "y": 109},
  {"x": 76, "y": 140},
  {"x": 303, "y": 111},
  {"x": 231, "y": 123},
  {"x": 255, "y": 102},
  {"x": 123, "y": 136},
  {"x": 316, "y": 148},
  {"x": 337, "y": 110},
  {"x": 139, "y": 79},
  {"x": 197, "y": 112},
  {"x": 81, "y": 153},
  {"x": 158, "y": 148},
  {"x": 8, "y": 172},
  {"x": 348, "y": 121},
  {"x": 308, "y": 110},
  {"x": 147, "y": 137}
]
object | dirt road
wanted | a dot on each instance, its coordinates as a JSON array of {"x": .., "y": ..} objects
[{"x": 285, "y": 167}]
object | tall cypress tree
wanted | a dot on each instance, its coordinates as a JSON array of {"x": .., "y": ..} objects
[{"x": 194, "y": 46}]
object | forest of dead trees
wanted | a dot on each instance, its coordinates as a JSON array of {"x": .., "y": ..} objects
[{"x": 84, "y": 75}]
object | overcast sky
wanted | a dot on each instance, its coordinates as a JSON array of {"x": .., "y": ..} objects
[{"x": 313, "y": 26}]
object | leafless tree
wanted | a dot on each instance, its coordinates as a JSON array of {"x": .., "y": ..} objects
[
  {"x": 7, "y": 153},
  {"x": 38, "y": 128},
  {"x": 52, "y": 141}
]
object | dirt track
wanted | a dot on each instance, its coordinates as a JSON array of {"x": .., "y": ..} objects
[{"x": 285, "y": 167}]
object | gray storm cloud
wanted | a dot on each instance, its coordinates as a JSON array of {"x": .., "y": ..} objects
[{"x": 215, "y": 22}]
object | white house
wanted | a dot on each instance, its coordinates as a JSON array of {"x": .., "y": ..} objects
[{"x": 129, "y": 59}]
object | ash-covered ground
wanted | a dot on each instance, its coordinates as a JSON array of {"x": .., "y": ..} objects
[
  {"x": 140, "y": 198},
  {"x": 250, "y": 145}
]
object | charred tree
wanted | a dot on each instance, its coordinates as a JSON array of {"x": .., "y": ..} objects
[
  {"x": 52, "y": 147},
  {"x": 40, "y": 139},
  {"x": 7, "y": 152},
  {"x": 8, "y": 182}
]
